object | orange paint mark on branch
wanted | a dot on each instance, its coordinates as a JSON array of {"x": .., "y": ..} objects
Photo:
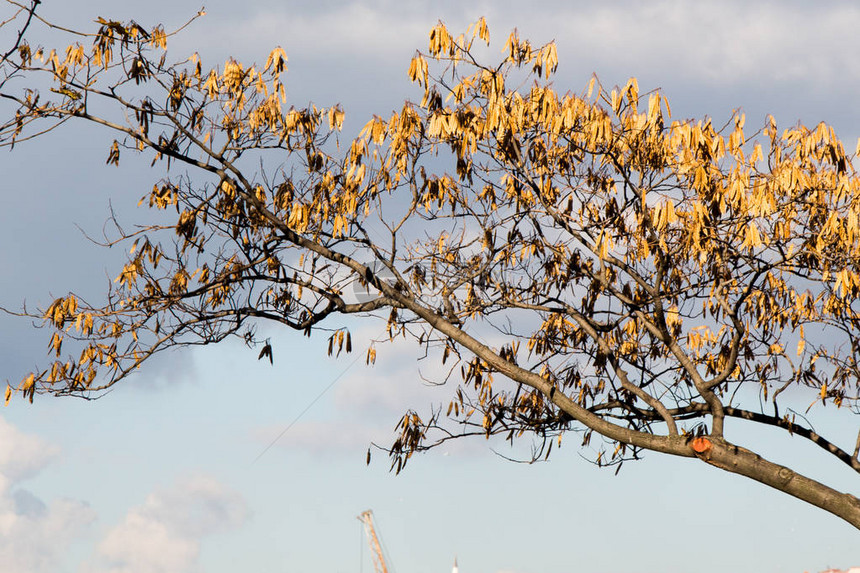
[{"x": 701, "y": 445}]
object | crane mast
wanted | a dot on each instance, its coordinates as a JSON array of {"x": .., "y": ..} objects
[{"x": 376, "y": 549}]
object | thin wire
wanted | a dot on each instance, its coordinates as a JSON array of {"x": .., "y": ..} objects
[
  {"x": 361, "y": 549},
  {"x": 303, "y": 412},
  {"x": 385, "y": 554}
]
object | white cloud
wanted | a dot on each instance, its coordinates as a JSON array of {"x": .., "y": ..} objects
[
  {"x": 354, "y": 29},
  {"x": 326, "y": 438},
  {"x": 715, "y": 42},
  {"x": 369, "y": 400},
  {"x": 22, "y": 455},
  {"x": 712, "y": 42},
  {"x": 163, "y": 534},
  {"x": 403, "y": 377},
  {"x": 396, "y": 383},
  {"x": 353, "y": 438},
  {"x": 785, "y": 45},
  {"x": 33, "y": 534}
]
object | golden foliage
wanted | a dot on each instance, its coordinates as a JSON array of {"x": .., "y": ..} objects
[{"x": 653, "y": 267}]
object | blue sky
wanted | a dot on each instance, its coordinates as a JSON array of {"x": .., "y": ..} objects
[{"x": 160, "y": 474}]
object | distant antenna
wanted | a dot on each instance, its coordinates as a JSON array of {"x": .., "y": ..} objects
[{"x": 378, "y": 558}]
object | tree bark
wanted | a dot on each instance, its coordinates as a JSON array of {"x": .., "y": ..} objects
[{"x": 738, "y": 460}]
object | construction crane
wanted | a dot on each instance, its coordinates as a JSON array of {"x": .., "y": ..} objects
[{"x": 375, "y": 547}]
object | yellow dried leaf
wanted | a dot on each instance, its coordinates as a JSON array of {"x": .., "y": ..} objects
[
  {"x": 801, "y": 344},
  {"x": 277, "y": 61}
]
